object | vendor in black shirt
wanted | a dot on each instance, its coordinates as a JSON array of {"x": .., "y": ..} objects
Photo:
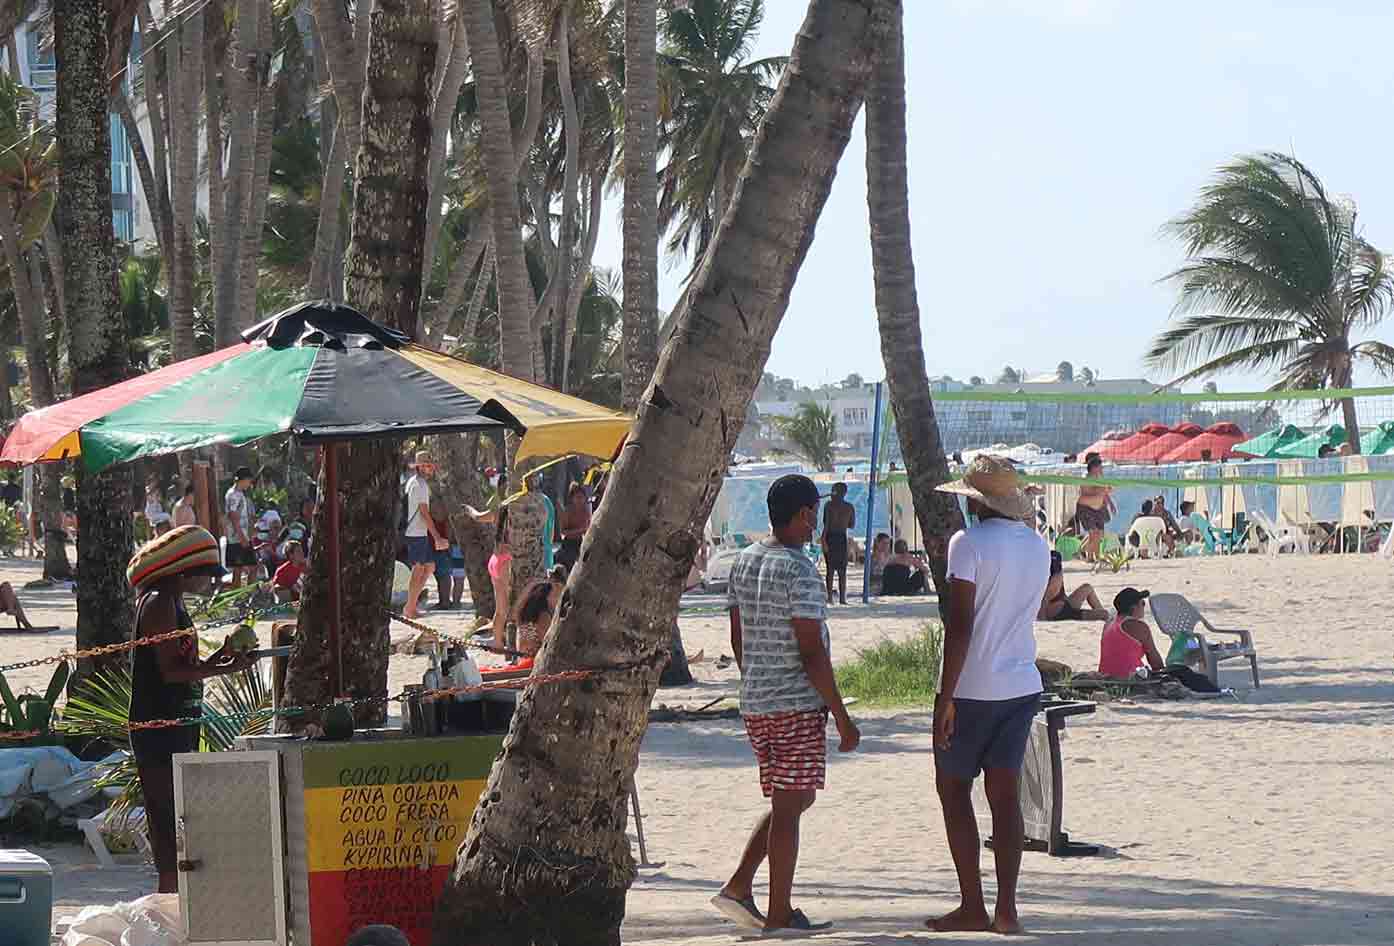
[{"x": 167, "y": 678}]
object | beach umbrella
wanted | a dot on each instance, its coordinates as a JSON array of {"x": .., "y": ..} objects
[
  {"x": 1379, "y": 440},
  {"x": 1218, "y": 440},
  {"x": 322, "y": 372},
  {"x": 1309, "y": 446},
  {"x": 326, "y": 374},
  {"x": 1106, "y": 444},
  {"x": 1268, "y": 443},
  {"x": 1167, "y": 442},
  {"x": 1125, "y": 449}
]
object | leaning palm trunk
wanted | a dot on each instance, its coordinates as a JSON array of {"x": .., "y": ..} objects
[
  {"x": 897, "y": 307},
  {"x": 260, "y": 187},
  {"x": 186, "y": 83},
  {"x": 501, "y": 177},
  {"x": 447, "y": 93},
  {"x": 640, "y": 332},
  {"x": 97, "y": 346},
  {"x": 543, "y": 865},
  {"x": 384, "y": 279},
  {"x": 240, "y": 81}
]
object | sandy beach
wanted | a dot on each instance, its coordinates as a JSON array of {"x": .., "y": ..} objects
[{"x": 1257, "y": 821}]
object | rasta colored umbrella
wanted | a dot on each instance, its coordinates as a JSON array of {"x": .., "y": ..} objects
[{"x": 322, "y": 372}]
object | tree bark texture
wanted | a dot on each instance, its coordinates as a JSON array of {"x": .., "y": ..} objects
[
  {"x": 501, "y": 177},
  {"x": 466, "y": 260},
  {"x": 897, "y": 306},
  {"x": 157, "y": 111},
  {"x": 97, "y": 347},
  {"x": 383, "y": 275},
  {"x": 446, "y": 95},
  {"x": 215, "y": 39},
  {"x": 264, "y": 132},
  {"x": 546, "y": 860},
  {"x": 640, "y": 329},
  {"x": 460, "y": 484},
  {"x": 187, "y": 76},
  {"x": 240, "y": 83}
]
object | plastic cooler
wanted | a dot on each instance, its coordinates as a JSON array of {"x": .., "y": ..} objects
[{"x": 26, "y": 899}]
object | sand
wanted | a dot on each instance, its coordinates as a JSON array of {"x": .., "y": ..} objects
[{"x": 1258, "y": 821}]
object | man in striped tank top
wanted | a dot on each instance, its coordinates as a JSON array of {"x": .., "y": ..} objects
[{"x": 780, "y": 639}]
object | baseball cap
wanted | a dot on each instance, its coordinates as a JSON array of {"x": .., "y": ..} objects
[
  {"x": 788, "y": 495},
  {"x": 1128, "y": 598}
]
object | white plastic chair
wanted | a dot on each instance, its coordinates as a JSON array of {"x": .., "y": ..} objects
[
  {"x": 1175, "y": 615},
  {"x": 93, "y": 831},
  {"x": 1149, "y": 530},
  {"x": 1280, "y": 537}
]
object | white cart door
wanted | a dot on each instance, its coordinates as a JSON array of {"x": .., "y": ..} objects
[{"x": 231, "y": 855}]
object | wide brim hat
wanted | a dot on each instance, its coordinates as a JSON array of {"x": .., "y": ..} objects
[
  {"x": 995, "y": 483},
  {"x": 181, "y": 551}
]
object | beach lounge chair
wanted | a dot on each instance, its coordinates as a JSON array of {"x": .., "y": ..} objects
[
  {"x": 1176, "y": 617},
  {"x": 94, "y": 833},
  {"x": 1280, "y": 537}
]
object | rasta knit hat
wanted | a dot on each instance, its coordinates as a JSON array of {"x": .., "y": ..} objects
[{"x": 177, "y": 552}]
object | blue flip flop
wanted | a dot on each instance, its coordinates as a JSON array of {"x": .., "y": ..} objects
[{"x": 741, "y": 912}]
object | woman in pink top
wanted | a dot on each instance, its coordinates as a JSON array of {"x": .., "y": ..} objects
[{"x": 1127, "y": 642}]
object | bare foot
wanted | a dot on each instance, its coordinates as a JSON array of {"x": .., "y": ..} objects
[
  {"x": 1006, "y": 925},
  {"x": 961, "y": 920}
]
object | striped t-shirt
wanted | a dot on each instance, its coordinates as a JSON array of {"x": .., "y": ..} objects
[{"x": 772, "y": 584}]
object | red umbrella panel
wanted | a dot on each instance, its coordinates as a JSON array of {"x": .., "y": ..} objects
[
  {"x": 1125, "y": 449},
  {"x": 1106, "y": 444},
  {"x": 1173, "y": 439},
  {"x": 1218, "y": 441}
]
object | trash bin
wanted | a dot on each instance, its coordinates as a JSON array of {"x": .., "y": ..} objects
[{"x": 26, "y": 898}]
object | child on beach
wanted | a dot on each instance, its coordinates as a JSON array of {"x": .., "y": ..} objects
[{"x": 779, "y": 636}]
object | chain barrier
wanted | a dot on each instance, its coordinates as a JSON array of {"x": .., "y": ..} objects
[
  {"x": 467, "y": 643},
  {"x": 105, "y": 649},
  {"x": 520, "y": 683}
]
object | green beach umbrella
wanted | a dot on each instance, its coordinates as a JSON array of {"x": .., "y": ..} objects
[
  {"x": 1268, "y": 444},
  {"x": 1379, "y": 440},
  {"x": 1309, "y": 446}
]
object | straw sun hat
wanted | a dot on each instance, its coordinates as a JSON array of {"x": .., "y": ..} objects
[
  {"x": 993, "y": 482},
  {"x": 187, "y": 549}
]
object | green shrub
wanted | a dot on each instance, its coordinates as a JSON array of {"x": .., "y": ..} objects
[
  {"x": 896, "y": 672},
  {"x": 11, "y": 532}
]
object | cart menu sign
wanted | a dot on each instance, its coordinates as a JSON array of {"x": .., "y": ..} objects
[{"x": 383, "y": 821}]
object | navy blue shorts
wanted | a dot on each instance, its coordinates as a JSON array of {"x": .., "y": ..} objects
[
  {"x": 420, "y": 550},
  {"x": 988, "y": 734},
  {"x": 442, "y": 559}
]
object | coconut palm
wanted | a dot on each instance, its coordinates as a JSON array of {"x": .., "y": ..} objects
[
  {"x": 812, "y": 430},
  {"x": 897, "y": 306},
  {"x": 1278, "y": 279},
  {"x": 711, "y": 102},
  {"x": 640, "y": 198},
  {"x": 516, "y": 877}
]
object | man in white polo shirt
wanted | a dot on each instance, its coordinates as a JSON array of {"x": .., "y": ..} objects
[{"x": 990, "y": 689}]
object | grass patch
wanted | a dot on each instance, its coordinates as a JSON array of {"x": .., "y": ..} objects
[{"x": 896, "y": 673}]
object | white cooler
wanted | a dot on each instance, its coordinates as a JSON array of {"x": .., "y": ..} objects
[{"x": 26, "y": 899}]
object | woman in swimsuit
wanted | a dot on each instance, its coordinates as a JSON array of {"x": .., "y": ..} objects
[
  {"x": 1058, "y": 606},
  {"x": 1093, "y": 510},
  {"x": 501, "y": 574}
]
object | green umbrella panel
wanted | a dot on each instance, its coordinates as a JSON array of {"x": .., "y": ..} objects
[
  {"x": 1309, "y": 446},
  {"x": 1268, "y": 444},
  {"x": 1379, "y": 440}
]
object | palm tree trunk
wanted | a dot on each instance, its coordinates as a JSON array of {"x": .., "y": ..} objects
[
  {"x": 640, "y": 331},
  {"x": 546, "y": 866},
  {"x": 595, "y": 200},
  {"x": 897, "y": 307},
  {"x": 215, "y": 38},
  {"x": 249, "y": 256},
  {"x": 240, "y": 84},
  {"x": 33, "y": 323},
  {"x": 481, "y": 288},
  {"x": 437, "y": 326},
  {"x": 156, "y": 110},
  {"x": 155, "y": 199},
  {"x": 321, "y": 284},
  {"x": 53, "y": 253},
  {"x": 182, "y": 269},
  {"x": 345, "y": 47},
  {"x": 571, "y": 182},
  {"x": 460, "y": 484},
  {"x": 447, "y": 93},
  {"x": 1348, "y": 413},
  {"x": 97, "y": 345},
  {"x": 498, "y": 154},
  {"x": 384, "y": 279}
]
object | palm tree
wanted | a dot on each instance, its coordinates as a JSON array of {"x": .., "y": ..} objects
[
  {"x": 383, "y": 275},
  {"x": 640, "y": 198},
  {"x": 712, "y": 101},
  {"x": 812, "y": 430},
  {"x": 897, "y": 306},
  {"x": 1278, "y": 278},
  {"x": 1008, "y": 375},
  {"x": 547, "y": 866},
  {"x": 88, "y": 35}
]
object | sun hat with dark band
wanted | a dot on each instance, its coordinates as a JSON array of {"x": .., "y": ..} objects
[
  {"x": 177, "y": 552},
  {"x": 995, "y": 483}
]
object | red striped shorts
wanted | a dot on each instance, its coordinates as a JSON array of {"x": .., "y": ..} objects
[{"x": 792, "y": 749}]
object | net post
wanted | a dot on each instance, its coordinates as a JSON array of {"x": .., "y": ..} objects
[{"x": 871, "y": 493}]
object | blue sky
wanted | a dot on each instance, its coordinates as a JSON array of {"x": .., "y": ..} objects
[{"x": 1049, "y": 141}]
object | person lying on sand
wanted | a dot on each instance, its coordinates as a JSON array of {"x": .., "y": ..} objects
[{"x": 1059, "y": 606}]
